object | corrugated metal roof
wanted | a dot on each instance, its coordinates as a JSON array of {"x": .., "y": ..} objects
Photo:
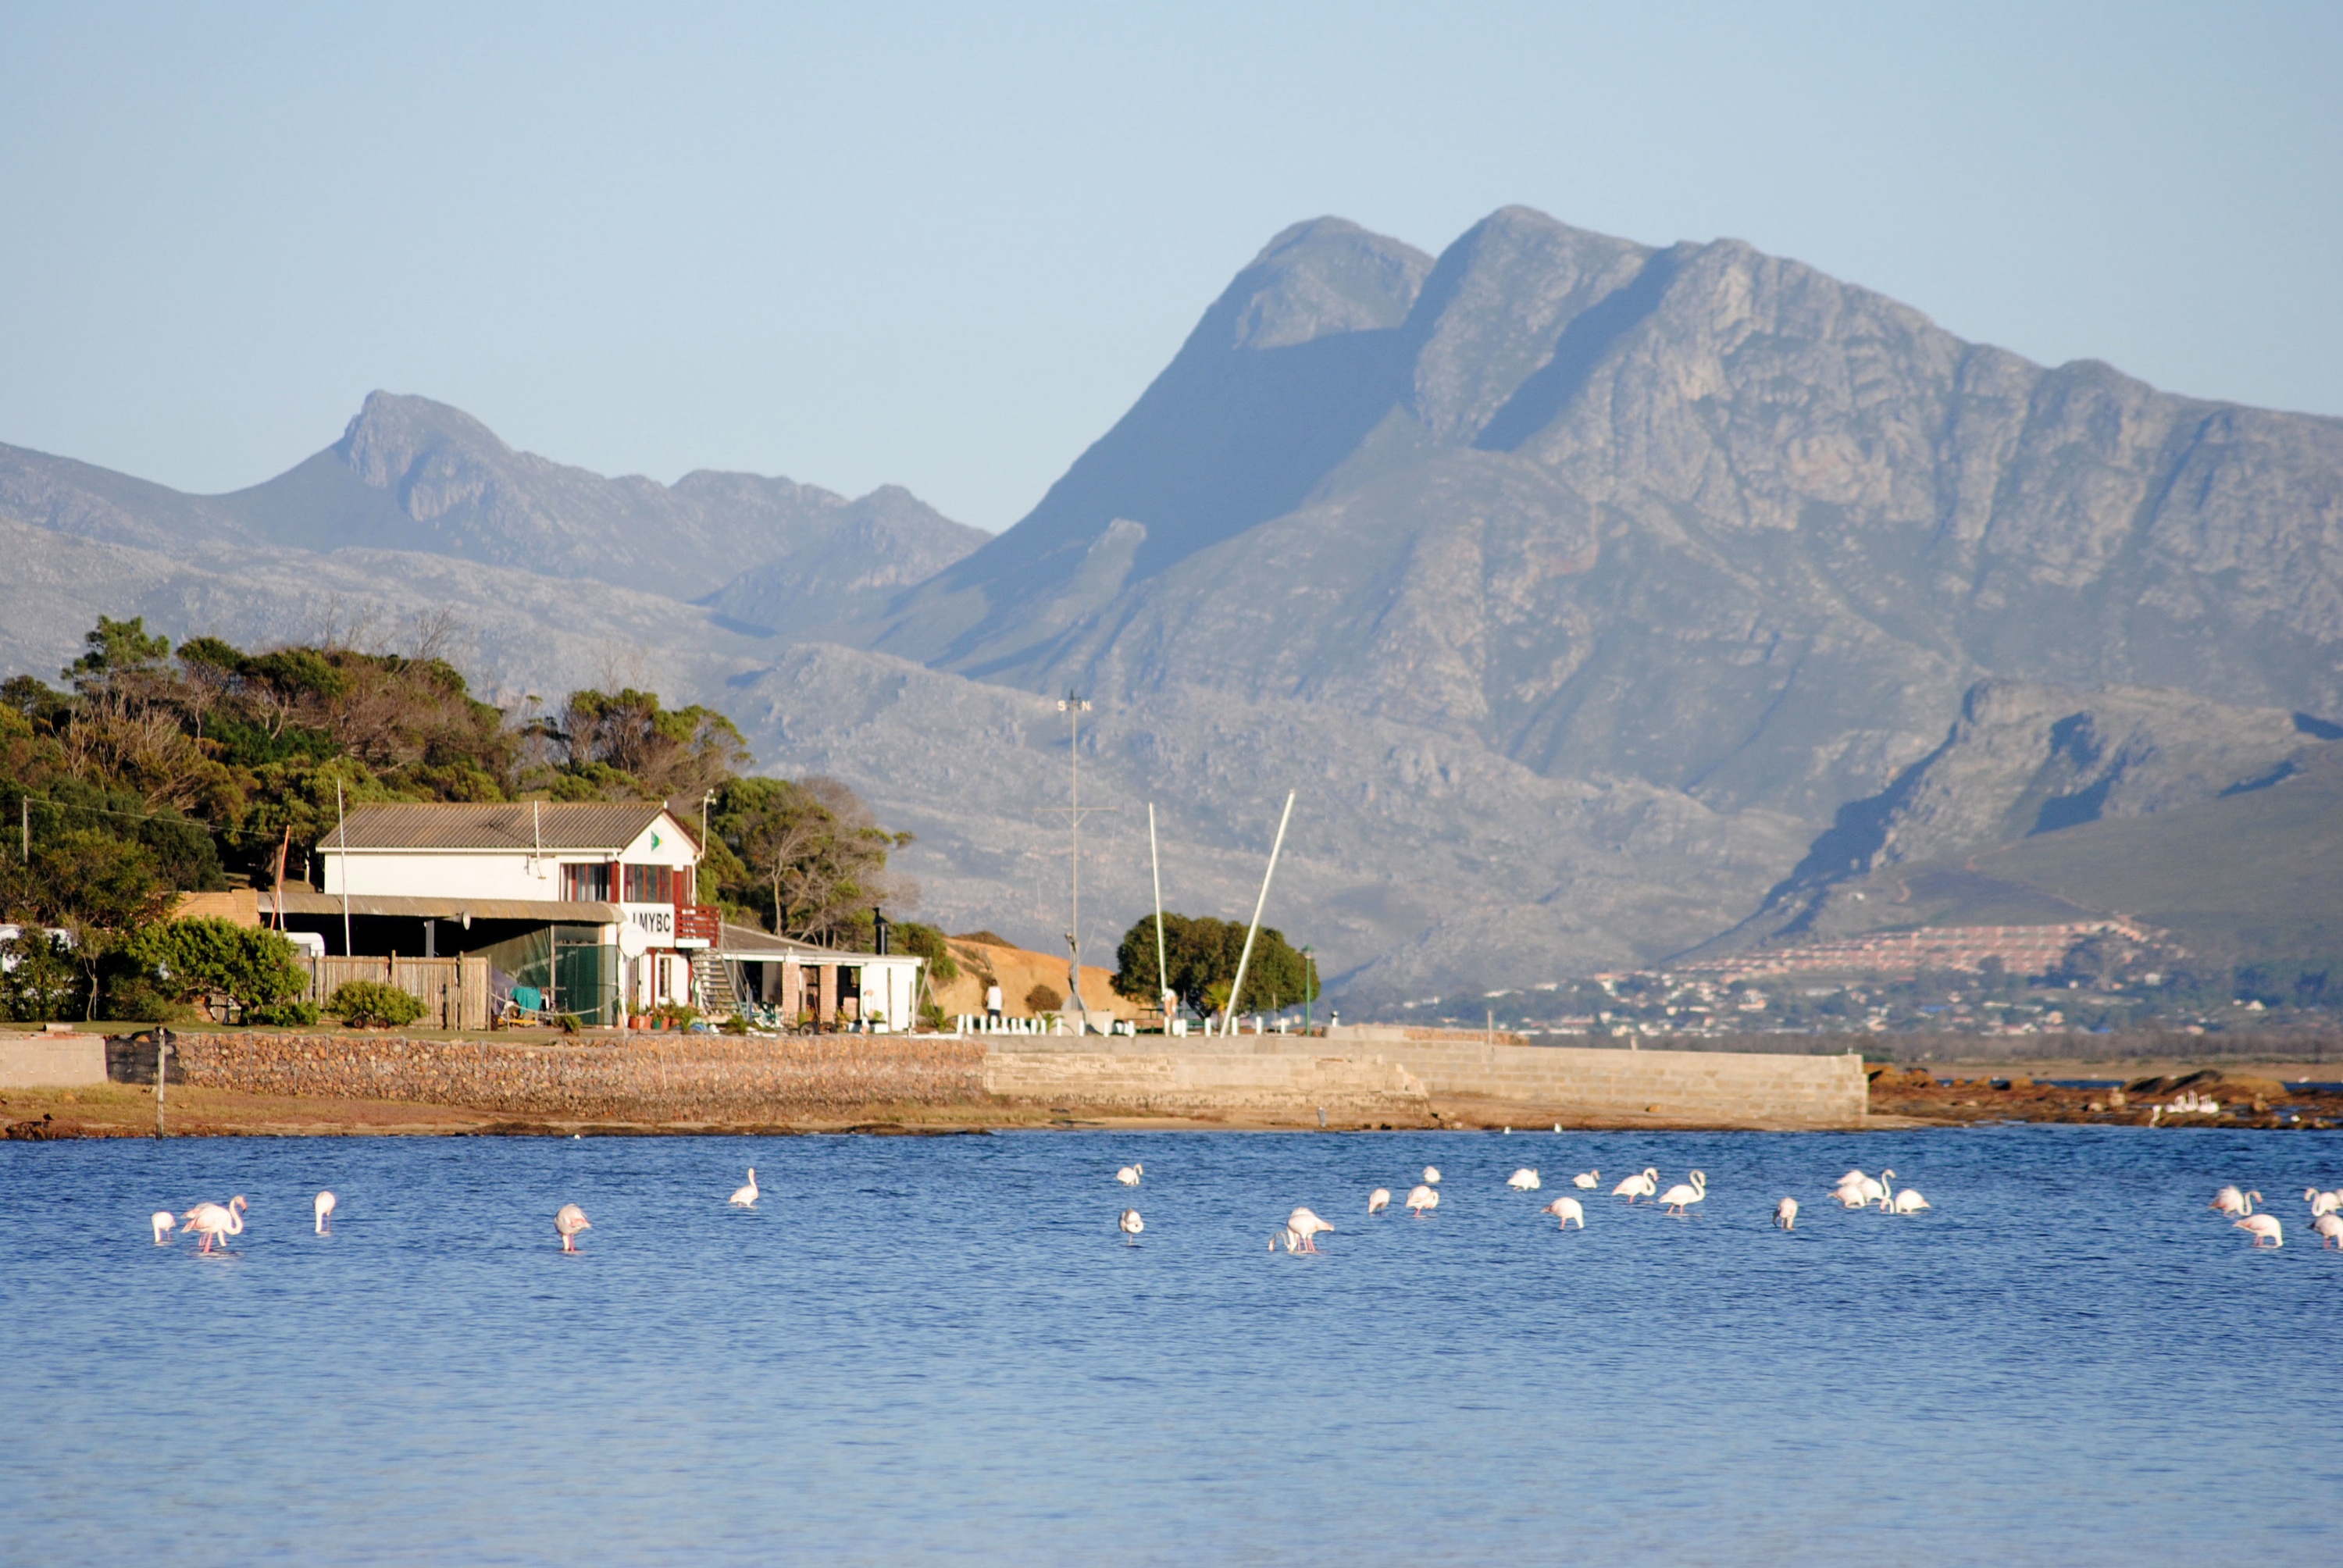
[
  {"x": 748, "y": 944},
  {"x": 604, "y": 825},
  {"x": 549, "y": 911}
]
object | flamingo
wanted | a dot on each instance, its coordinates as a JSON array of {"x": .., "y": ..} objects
[
  {"x": 744, "y": 1197},
  {"x": 1432, "y": 1175},
  {"x": 2330, "y": 1230},
  {"x": 1586, "y": 1179},
  {"x": 1130, "y": 1224},
  {"x": 1886, "y": 1193},
  {"x": 1680, "y": 1197},
  {"x": 322, "y": 1206},
  {"x": 1852, "y": 1179},
  {"x": 1786, "y": 1214},
  {"x": 1378, "y": 1200},
  {"x": 571, "y": 1222},
  {"x": 1130, "y": 1174},
  {"x": 1284, "y": 1233},
  {"x": 1909, "y": 1201},
  {"x": 1873, "y": 1190},
  {"x": 2321, "y": 1203},
  {"x": 1849, "y": 1197},
  {"x": 1635, "y": 1187},
  {"x": 2264, "y": 1228},
  {"x": 1307, "y": 1226},
  {"x": 1421, "y": 1199},
  {"x": 216, "y": 1222},
  {"x": 2230, "y": 1200},
  {"x": 1522, "y": 1180},
  {"x": 1566, "y": 1210},
  {"x": 164, "y": 1223}
]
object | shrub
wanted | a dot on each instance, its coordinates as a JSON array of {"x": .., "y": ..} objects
[
  {"x": 209, "y": 956},
  {"x": 370, "y": 1004},
  {"x": 932, "y": 1015},
  {"x": 39, "y": 979},
  {"x": 927, "y": 942},
  {"x": 299, "y": 1013},
  {"x": 1041, "y": 999}
]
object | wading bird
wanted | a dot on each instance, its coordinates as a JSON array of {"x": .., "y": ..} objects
[
  {"x": 322, "y": 1207},
  {"x": 2328, "y": 1226},
  {"x": 164, "y": 1223},
  {"x": 1130, "y": 1224},
  {"x": 1307, "y": 1226},
  {"x": 1886, "y": 1192},
  {"x": 1432, "y": 1175},
  {"x": 2264, "y": 1228},
  {"x": 1378, "y": 1200},
  {"x": 1586, "y": 1179},
  {"x": 2321, "y": 1203},
  {"x": 217, "y": 1223},
  {"x": 1523, "y": 1180},
  {"x": 1786, "y": 1214},
  {"x": 1130, "y": 1174},
  {"x": 1420, "y": 1200},
  {"x": 1566, "y": 1210},
  {"x": 572, "y": 1223},
  {"x": 1849, "y": 1196},
  {"x": 1642, "y": 1186},
  {"x": 745, "y": 1197},
  {"x": 1680, "y": 1197},
  {"x": 1909, "y": 1201},
  {"x": 2230, "y": 1200}
]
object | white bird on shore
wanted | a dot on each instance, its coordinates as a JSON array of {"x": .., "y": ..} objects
[
  {"x": 1909, "y": 1201},
  {"x": 1421, "y": 1199},
  {"x": 2264, "y": 1228},
  {"x": 1566, "y": 1210},
  {"x": 1130, "y": 1174},
  {"x": 322, "y": 1208},
  {"x": 571, "y": 1222},
  {"x": 1130, "y": 1224},
  {"x": 1523, "y": 1180},
  {"x": 1642, "y": 1186},
  {"x": 164, "y": 1223},
  {"x": 744, "y": 1197},
  {"x": 1786, "y": 1214},
  {"x": 1309, "y": 1227},
  {"x": 1378, "y": 1200},
  {"x": 2321, "y": 1203},
  {"x": 2230, "y": 1200},
  {"x": 1432, "y": 1175},
  {"x": 1681, "y": 1197},
  {"x": 216, "y": 1222},
  {"x": 2328, "y": 1226},
  {"x": 1585, "y": 1181}
]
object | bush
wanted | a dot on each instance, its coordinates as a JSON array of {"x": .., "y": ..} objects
[
  {"x": 299, "y": 1014},
  {"x": 1041, "y": 999},
  {"x": 209, "y": 956},
  {"x": 927, "y": 942},
  {"x": 370, "y": 1004},
  {"x": 39, "y": 979}
]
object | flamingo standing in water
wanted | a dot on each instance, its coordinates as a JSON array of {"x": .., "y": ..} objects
[
  {"x": 1432, "y": 1175},
  {"x": 1566, "y": 1210},
  {"x": 164, "y": 1223},
  {"x": 1378, "y": 1200},
  {"x": 1130, "y": 1174},
  {"x": 571, "y": 1222},
  {"x": 2330, "y": 1230},
  {"x": 2321, "y": 1203},
  {"x": 2264, "y": 1228},
  {"x": 1680, "y": 1197},
  {"x": 1422, "y": 1199},
  {"x": 322, "y": 1207},
  {"x": 745, "y": 1197},
  {"x": 217, "y": 1223},
  {"x": 1307, "y": 1226},
  {"x": 1635, "y": 1187},
  {"x": 2230, "y": 1200},
  {"x": 1523, "y": 1180},
  {"x": 1786, "y": 1214},
  {"x": 1849, "y": 1196},
  {"x": 1586, "y": 1179},
  {"x": 1130, "y": 1224}
]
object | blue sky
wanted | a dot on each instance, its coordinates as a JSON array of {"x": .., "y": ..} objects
[{"x": 946, "y": 248}]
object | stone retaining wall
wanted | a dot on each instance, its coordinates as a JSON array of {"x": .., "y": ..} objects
[
  {"x": 1730, "y": 1087},
  {"x": 51, "y": 1061},
  {"x": 687, "y": 1078},
  {"x": 1156, "y": 1083}
]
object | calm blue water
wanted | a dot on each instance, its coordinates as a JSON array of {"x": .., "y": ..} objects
[{"x": 939, "y": 1348}]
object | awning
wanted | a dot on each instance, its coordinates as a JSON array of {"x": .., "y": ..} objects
[
  {"x": 748, "y": 945},
  {"x": 543, "y": 911}
]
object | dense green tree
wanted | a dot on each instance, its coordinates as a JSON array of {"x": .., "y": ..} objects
[
  {"x": 812, "y": 861},
  {"x": 1203, "y": 954},
  {"x": 191, "y": 960}
]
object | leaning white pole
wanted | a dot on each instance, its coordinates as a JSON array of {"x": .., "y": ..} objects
[
  {"x": 1236, "y": 991},
  {"x": 1162, "y": 968}
]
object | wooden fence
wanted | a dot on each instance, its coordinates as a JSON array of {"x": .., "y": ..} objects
[{"x": 454, "y": 991}]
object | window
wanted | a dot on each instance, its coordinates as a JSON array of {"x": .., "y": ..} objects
[
  {"x": 585, "y": 884},
  {"x": 650, "y": 885}
]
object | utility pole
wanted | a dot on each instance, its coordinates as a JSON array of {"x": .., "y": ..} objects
[
  {"x": 1309, "y": 986},
  {"x": 342, "y": 832},
  {"x": 1074, "y": 704},
  {"x": 25, "y": 824}
]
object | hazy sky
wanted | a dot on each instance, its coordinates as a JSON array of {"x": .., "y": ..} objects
[{"x": 946, "y": 247}]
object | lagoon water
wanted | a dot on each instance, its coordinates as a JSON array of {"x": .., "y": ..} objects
[{"x": 939, "y": 1348}]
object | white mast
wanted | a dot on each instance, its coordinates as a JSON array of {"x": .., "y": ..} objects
[
  {"x": 1162, "y": 968},
  {"x": 1236, "y": 989}
]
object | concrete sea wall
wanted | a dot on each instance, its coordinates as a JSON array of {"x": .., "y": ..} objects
[
  {"x": 51, "y": 1061},
  {"x": 690, "y": 1077},
  {"x": 1198, "y": 1083}
]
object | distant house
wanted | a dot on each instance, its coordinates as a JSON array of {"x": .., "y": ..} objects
[{"x": 594, "y": 906}]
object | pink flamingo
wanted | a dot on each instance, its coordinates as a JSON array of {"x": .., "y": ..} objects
[
  {"x": 1309, "y": 1227},
  {"x": 217, "y": 1223},
  {"x": 572, "y": 1223},
  {"x": 2263, "y": 1228}
]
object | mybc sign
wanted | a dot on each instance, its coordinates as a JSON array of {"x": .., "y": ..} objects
[{"x": 656, "y": 921}]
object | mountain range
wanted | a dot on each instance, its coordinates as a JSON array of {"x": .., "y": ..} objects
[{"x": 1598, "y": 599}]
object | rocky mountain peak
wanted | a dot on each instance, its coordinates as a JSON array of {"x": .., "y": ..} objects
[{"x": 392, "y": 435}]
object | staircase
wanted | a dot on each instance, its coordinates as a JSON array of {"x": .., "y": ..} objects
[{"x": 711, "y": 986}]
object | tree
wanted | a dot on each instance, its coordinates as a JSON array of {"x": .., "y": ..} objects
[
  {"x": 193, "y": 960},
  {"x": 814, "y": 860},
  {"x": 1203, "y": 954}
]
